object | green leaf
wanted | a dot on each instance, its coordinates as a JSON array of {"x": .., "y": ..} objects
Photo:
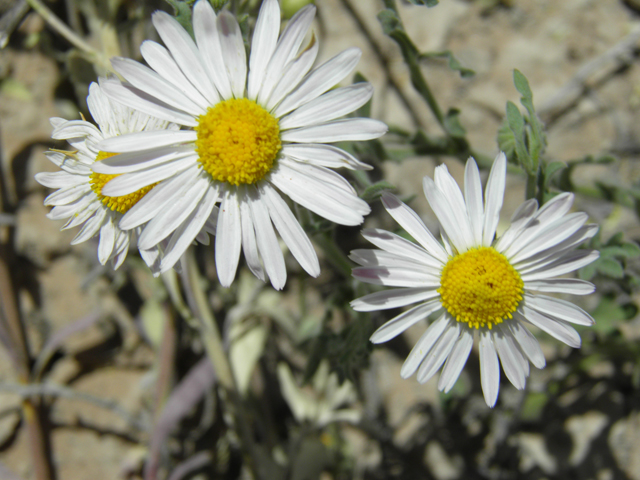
[
  {"x": 522, "y": 85},
  {"x": 632, "y": 249},
  {"x": 535, "y": 135},
  {"x": 588, "y": 272},
  {"x": 551, "y": 169},
  {"x": 428, "y": 3},
  {"x": 454, "y": 63},
  {"x": 609, "y": 267},
  {"x": 516, "y": 124},
  {"x": 609, "y": 312},
  {"x": 452, "y": 123},
  {"x": 506, "y": 141},
  {"x": 373, "y": 192},
  {"x": 182, "y": 12}
]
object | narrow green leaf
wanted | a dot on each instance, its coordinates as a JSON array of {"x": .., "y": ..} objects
[
  {"x": 522, "y": 85},
  {"x": 428, "y": 3},
  {"x": 506, "y": 141},
  {"x": 516, "y": 124},
  {"x": 182, "y": 13},
  {"x": 632, "y": 249},
  {"x": 454, "y": 63}
]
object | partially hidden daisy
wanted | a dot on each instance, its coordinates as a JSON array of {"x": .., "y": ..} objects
[
  {"x": 79, "y": 196},
  {"x": 483, "y": 286},
  {"x": 251, "y": 131}
]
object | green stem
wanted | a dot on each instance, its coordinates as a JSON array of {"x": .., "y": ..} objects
[
  {"x": 214, "y": 347},
  {"x": 61, "y": 28},
  {"x": 334, "y": 254}
]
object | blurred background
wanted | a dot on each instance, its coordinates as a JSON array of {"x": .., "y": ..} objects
[{"x": 111, "y": 380}]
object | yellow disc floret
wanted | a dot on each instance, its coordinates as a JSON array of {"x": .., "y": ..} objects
[
  {"x": 117, "y": 204},
  {"x": 238, "y": 141},
  {"x": 480, "y": 287}
]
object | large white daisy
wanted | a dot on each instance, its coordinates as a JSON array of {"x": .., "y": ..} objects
[
  {"x": 251, "y": 129},
  {"x": 79, "y": 196},
  {"x": 485, "y": 286}
]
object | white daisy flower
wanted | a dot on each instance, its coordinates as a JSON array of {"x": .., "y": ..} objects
[
  {"x": 252, "y": 129},
  {"x": 494, "y": 288},
  {"x": 79, "y": 196}
]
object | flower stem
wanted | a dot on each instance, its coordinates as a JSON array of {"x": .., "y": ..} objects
[
  {"x": 214, "y": 347},
  {"x": 61, "y": 28}
]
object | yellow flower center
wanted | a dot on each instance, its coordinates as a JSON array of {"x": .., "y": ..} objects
[
  {"x": 117, "y": 204},
  {"x": 238, "y": 141},
  {"x": 480, "y": 287}
]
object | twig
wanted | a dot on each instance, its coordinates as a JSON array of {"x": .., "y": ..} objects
[
  {"x": 60, "y": 27},
  {"x": 383, "y": 60},
  {"x": 10, "y": 20},
  {"x": 43, "y": 389},
  {"x": 576, "y": 86}
]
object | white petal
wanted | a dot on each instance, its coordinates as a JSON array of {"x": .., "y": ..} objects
[
  {"x": 554, "y": 209},
  {"x": 159, "y": 58},
  {"x": 373, "y": 258},
  {"x": 267, "y": 241},
  {"x": 228, "y": 239},
  {"x": 139, "y": 100},
  {"x": 489, "y": 368},
  {"x": 568, "y": 263},
  {"x": 511, "y": 359},
  {"x": 447, "y": 218},
  {"x": 293, "y": 73},
  {"x": 493, "y": 198},
  {"x": 572, "y": 286},
  {"x": 290, "y": 230},
  {"x": 321, "y": 174},
  {"x": 557, "y": 308},
  {"x": 400, "y": 323},
  {"x": 205, "y": 30},
  {"x": 519, "y": 220},
  {"x": 320, "y": 80},
  {"x": 59, "y": 179},
  {"x": 396, "y": 277},
  {"x": 187, "y": 231},
  {"x": 398, "y": 297},
  {"x": 158, "y": 198},
  {"x": 149, "y": 81},
  {"x": 397, "y": 245},
  {"x": 473, "y": 199},
  {"x": 232, "y": 47},
  {"x": 67, "y": 195},
  {"x": 527, "y": 342},
  {"x": 424, "y": 345},
  {"x": 556, "y": 328},
  {"x": 333, "y": 104},
  {"x": 439, "y": 353},
  {"x": 330, "y": 203},
  {"x": 456, "y": 360},
  {"x": 349, "y": 129},
  {"x": 263, "y": 44},
  {"x": 134, "y": 161},
  {"x": 411, "y": 222},
  {"x": 107, "y": 240},
  {"x": 449, "y": 188},
  {"x": 249, "y": 243},
  {"x": 101, "y": 109},
  {"x": 286, "y": 50},
  {"x": 323, "y": 155},
  {"x": 170, "y": 218},
  {"x": 140, "y": 141},
  {"x": 74, "y": 129},
  {"x": 132, "y": 182},
  {"x": 553, "y": 234},
  {"x": 91, "y": 227},
  {"x": 185, "y": 53}
]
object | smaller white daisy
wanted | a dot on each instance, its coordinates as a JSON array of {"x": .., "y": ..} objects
[
  {"x": 492, "y": 288},
  {"x": 79, "y": 190}
]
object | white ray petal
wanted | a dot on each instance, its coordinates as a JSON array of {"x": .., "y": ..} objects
[
  {"x": 228, "y": 238},
  {"x": 249, "y": 243},
  {"x": 439, "y": 353},
  {"x": 141, "y": 141},
  {"x": 572, "y": 286},
  {"x": 397, "y": 245},
  {"x": 473, "y": 199},
  {"x": 424, "y": 345},
  {"x": 323, "y": 155},
  {"x": 556, "y": 328},
  {"x": 413, "y": 225},
  {"x": 395, "y": 298},
  {"x": 525, "y": 339},
  {"x": 456, "y": 360},
  {"x": 235, "y": 57},
  {"x": 558, "y": 308},
  {"x": 493, "y": 198},
  {"x": 396, "y": 277},
  {"x": 263, "y": 44},
  {"x": 400, "y": 323},
  {"x": 107, "y": 240},
  {"x": 450, "y": 190},
  {"x": 510, "y": 358},
  {"x": 346, "y": 130},
  {"x": 489, "y": 368},
  {"x": 290, "y": 230}
]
